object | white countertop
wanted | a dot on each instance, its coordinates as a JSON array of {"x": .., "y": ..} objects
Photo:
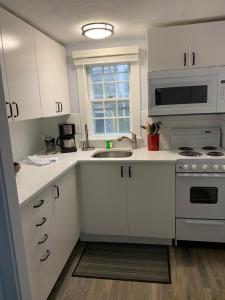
[{"x": 31, "y": 180}]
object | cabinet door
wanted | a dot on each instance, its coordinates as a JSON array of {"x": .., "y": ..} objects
[
  {"x": 103, "y": 199},
  {"x": 5, "y": 84},
  {"x": 21, "y": 68},
  {"x": 151, "y": 200},
  {"x": 207, "y": 44},
  {"x": 66, "y": 219},
  {"x": 167, "y": 48},
  {"x": 46, "y": 72},
  {"x": 61, "y": 77}
]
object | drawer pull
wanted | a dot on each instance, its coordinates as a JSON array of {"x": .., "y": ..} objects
[
  {"x": 44, "y": 239},
  {"x": 43, "y": 221},
  {"x": 46, "y": 256},
  {"x": 40, "y": 204}
]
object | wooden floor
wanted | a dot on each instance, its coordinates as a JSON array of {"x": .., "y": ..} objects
[{"x": 197, "y": 273}]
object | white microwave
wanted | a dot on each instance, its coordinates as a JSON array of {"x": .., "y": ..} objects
[{"x": 181, "y": 92}]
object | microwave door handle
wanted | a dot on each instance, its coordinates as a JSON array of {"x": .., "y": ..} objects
[{"x": 202, "y": 175}]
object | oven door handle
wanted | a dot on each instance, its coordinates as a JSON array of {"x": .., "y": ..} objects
[
  {"x": 202, "y": 175},
  {"x": 204, "y": 222}
]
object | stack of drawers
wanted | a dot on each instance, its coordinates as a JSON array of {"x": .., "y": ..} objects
[{"x": 37, "y": 222}]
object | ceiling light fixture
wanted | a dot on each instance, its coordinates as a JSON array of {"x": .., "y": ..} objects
[{"x": 97, "y": 30}]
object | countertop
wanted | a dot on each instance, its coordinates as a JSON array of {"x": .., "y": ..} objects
[{"x": 31, "y": 180}]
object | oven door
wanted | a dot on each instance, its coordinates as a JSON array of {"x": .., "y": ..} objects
[
  {"x": 200, "y": 195},
  {"x": 183, "y": 92}
]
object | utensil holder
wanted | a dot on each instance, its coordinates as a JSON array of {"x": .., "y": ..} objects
[{"x": 153, "y": 142}]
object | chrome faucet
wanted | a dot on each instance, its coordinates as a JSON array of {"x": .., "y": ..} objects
[{"x": 133, "y": 140}]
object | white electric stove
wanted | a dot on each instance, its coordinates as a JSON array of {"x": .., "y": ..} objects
[{"x": 200, "y": 185}]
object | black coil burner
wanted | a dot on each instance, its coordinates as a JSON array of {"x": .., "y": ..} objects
[
  {"x": 209, "y": 148},
  {"x": 190, "y": 153},
  {"x": 215, "y": 153},
  {"x": 187, "y": 148}
]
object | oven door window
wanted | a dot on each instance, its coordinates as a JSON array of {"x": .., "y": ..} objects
[
  {"x": 181, "y": 95},
  {"x": 203, "y": 195}
]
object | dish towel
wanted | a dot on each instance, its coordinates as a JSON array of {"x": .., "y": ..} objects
[{"x": 38, "y": 161}]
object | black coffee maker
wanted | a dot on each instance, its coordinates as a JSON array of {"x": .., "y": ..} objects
[{"x": 66, "y": 140}]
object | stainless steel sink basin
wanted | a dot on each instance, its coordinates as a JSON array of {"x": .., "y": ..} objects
[{"x": 112, "y": 154}]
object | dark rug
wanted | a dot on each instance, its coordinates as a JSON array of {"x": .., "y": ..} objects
[{"x": 129, "y": 262}]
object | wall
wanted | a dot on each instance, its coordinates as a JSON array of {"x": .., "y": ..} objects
[
  {"x": 27, "y": 136},
  {"x": 168, "y": 122}
]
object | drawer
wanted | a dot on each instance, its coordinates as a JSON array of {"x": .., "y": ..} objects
[
  {"x": 33, "y": 207},
  {"x": 200, "y": 230},
  {"x": 40, "y": 263},
  {"x": 40, "y": 225}
]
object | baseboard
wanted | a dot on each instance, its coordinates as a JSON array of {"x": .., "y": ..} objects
[{"x": 124, "y": 239}]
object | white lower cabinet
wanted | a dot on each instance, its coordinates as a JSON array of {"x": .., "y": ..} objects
[
  {"x": 135, "y": 199},
  {"x": 66, "y": 219},
  {"x": 51, "y": 230},
  {"x": 104, "y": 201},
  {"x": 151, "y": 200}
]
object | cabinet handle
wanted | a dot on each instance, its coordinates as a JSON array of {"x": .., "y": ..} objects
[
  {"x": 129, "y": 172},
  {"x": 10, "y": 109},
  {"x": 57, "y": 107},
  {"x": 185, "y": 59},
  {"x": 17, "y": 110},
  {"x": 43, "y": 221},
  {"x": 40, "y": 204},
  {"x": 193, "y": 58},
  {"x": 121, "y": 172},
  {"x": 46, "y": 256},
  {"x": 61, "y": 106},
  {"x": 57, "y": 189},
  {"x": 44, "y": 239}
]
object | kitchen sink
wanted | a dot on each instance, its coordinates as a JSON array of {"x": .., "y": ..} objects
[{"x": 112, "y": 154}]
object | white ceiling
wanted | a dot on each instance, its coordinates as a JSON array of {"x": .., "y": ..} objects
[{"x": 62, "y": 19}]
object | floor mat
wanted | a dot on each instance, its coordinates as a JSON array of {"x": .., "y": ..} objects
[{"x": 129, "y": 262}]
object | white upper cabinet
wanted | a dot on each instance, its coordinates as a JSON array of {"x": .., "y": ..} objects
[
  {"x": 167, "y": 48},
  {"x": 52, "y": 73},
  {"x": 207, "y": 44},
  {"x": 61, "y": 78},
  {"x": 186, "y": 46},
  {"x": 46, "y": 73},
  {"x": 20, "y": 66}
]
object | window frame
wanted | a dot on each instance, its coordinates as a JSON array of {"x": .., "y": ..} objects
[
  {"x": 126, "y": 55},
  {"x": 105, "y": 100}
]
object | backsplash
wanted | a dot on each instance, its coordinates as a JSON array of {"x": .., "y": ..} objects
[{"x": 27, "y": 136}]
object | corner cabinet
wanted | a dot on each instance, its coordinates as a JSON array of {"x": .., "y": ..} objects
[
  {"x": 20, "y": 67},
  {"x": 50, "y": 229},
  {"x": 186, "y": 46},
  {"x": 132, "y": 200}
]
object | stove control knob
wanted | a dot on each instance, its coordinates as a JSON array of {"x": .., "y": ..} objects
[
  {"x": 223, "y": 167},
  {"x": 185, "y": 167},
  {"x": 194, "y": 167},
  {"x": 204, "y": 167},
  {"x": 216, "y": 167}
]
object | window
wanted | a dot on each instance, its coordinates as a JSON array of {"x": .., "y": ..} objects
[
  {"x": 109, "y": 91},
  {"x": 109, "y": 98}
]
